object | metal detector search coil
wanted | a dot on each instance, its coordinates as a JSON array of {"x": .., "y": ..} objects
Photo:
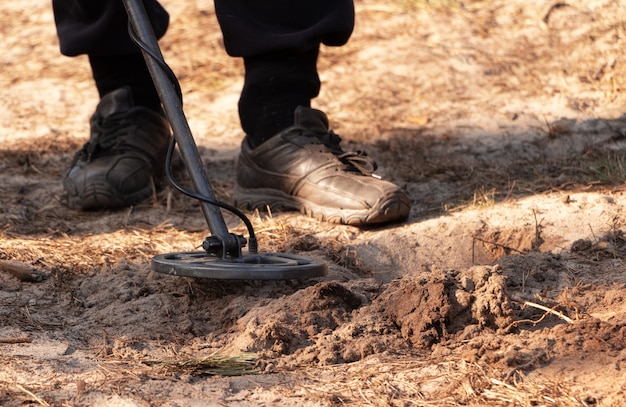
[{"x": 263, "y": 266}]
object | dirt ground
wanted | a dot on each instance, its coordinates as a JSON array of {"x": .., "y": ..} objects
[{"x": 506, "y": 286}]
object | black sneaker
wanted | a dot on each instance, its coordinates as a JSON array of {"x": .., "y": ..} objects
[
  {"x": 124, "y": 156},
  {"x": 304, "y": 168}
]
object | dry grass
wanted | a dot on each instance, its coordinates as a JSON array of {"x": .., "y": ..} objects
[
  {"x": 427, "y": 382},
  {"x": 414, "y": 4},
  {"x": 211, "y": 365}
]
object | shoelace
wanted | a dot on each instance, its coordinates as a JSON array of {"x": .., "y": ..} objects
[
  {"x": 110, "y": 132},
  {"x": 358, "y": 160}
]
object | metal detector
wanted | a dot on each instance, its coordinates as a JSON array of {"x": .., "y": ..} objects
[{"x": 222, "y": 257}]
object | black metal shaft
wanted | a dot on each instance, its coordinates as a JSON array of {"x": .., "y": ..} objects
[{"x": 172, "y": 105}]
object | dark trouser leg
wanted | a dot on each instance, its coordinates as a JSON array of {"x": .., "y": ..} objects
[
  {"x": 99, "y": 29},
  {"x": 279, "y": 42}
]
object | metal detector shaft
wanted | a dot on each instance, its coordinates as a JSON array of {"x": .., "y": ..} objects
[
  {"x": 142, "y": 27},
  {"x": 222, "y": 258}
]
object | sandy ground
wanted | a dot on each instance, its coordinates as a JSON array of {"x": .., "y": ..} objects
[{"x": 506, "y": 286}]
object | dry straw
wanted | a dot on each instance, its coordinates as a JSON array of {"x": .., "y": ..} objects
[
  {"x": 434, "y": 384},
  {"x": 212, "y": 365}
]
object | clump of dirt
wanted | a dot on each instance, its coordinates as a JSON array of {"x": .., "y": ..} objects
[
  {"x": 286, "y": 326},
  {"x": 433, "y": 308}
]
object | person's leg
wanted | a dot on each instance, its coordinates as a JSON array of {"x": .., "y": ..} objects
[
  {"x": 129, "y": 135},
  {"x": 275, "y": 85},
  {"x": 289, "y": 158},
  {"x": 279, "y": 42}
]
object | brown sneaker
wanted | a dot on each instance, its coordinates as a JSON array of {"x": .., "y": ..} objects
[
  {"x": 125, "y": 152},
  {"x": 304, "y": 168}
]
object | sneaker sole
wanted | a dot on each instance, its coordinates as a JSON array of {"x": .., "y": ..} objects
[{"x": 393, "y": 207}]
